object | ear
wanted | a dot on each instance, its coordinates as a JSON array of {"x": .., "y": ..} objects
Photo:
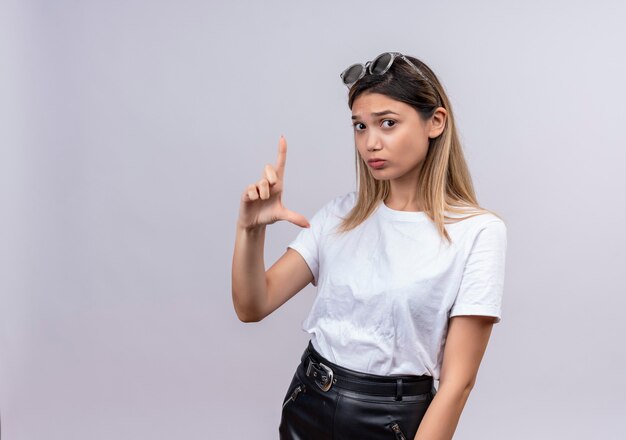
[{"x": 437, "y": 122}]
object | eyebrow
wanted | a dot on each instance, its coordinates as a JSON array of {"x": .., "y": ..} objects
[{"x": 384, "y": 112}]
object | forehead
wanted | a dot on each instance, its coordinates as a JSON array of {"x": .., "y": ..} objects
[{"x": 368, "y": 103}]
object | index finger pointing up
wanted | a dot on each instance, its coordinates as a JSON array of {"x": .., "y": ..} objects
[{"x": 282, "y": 157}]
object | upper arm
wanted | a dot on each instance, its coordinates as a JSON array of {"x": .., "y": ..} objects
[
  {"x": 287, "y": 276},
  {"x": 482, "y": 284},
  {"x": 465, "y": 346}
]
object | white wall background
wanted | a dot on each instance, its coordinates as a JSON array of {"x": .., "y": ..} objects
[{"x": 130, "y": 128}]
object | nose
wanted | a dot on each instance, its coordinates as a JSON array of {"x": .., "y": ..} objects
[{"x": 373, "y": 142}]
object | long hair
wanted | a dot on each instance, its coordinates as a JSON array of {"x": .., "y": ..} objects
[{"x": 444, "y": 184}]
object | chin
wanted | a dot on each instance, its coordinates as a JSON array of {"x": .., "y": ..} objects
[
  {"x": 381, "y": 174},
  {"x": 380, "y": 178}
]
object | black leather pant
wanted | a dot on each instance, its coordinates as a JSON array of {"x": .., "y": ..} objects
[{"x": 310, "y": 413}]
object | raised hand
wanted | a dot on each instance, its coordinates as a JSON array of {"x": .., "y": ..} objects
[{"x": 261, "y": 201}]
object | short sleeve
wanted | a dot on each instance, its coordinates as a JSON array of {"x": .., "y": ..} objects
[
  {"x": 307, "y": 242},
  {"x": 482, "y": 284}
]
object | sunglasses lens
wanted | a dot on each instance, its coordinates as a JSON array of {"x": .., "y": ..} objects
[
  {"x": 381, "y": 64},
  {"x": 353, "y": 73}
]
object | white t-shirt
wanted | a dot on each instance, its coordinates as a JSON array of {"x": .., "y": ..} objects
[{"x": 386, "y": 289}]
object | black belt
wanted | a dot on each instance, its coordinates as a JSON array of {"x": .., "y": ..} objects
[{"x": 326, "y": 375}]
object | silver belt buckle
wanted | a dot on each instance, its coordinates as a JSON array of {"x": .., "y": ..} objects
[{"x": 325, "y": 384}]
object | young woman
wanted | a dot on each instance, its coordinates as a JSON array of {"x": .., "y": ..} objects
[{"x": 409, "y": 269}]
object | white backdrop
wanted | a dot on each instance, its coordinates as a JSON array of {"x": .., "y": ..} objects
[{"x": 130, "y": 128}]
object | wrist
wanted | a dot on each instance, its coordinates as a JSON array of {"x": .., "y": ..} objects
[{"x": 256, "y": 229}]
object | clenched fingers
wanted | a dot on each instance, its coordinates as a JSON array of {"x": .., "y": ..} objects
[
  {"x": 252, "y": 192},
  {"x": 259, "y": 190},
  {"x": 270, "y": 174},
  {"x": 264, "y": 189}
]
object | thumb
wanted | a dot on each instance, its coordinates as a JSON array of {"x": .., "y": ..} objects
[{"x": 297, "y": 219}]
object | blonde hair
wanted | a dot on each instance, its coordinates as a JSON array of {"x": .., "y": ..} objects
[{"x": 444, "y": 184}]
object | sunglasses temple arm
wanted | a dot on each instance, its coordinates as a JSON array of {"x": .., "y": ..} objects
[{"x": 415, "y": 67}]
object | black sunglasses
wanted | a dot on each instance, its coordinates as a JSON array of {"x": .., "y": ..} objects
[{"x": 377, "y": 66}]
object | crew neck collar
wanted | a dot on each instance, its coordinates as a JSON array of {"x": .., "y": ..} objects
[{"x": 401, "y": 215}]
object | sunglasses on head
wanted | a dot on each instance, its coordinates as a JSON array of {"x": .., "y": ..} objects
[{"x": 377, "y": 66}]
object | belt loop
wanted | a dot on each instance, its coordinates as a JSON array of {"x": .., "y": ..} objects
[{"x": 399, "y": 388}]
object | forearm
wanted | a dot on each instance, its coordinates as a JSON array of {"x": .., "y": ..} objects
[
  {"x": 248, "y": 273},
  {"x": 443, "y": 414}
]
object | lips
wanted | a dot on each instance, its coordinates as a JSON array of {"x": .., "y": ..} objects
[{"x": 376, "y": 163}]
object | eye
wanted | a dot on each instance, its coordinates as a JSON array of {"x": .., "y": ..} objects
[
  {"x": 356, "y": 124},
  {"x": 390, "y": 120}
]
